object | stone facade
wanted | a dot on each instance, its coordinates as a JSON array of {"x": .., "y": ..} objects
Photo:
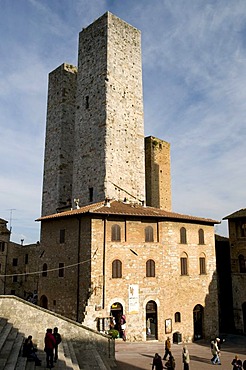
[
  {"x": 89, "y": 286},
  {"x": 237, "y": 239},
  {"x": 17, "y": 264},
  {"x": 158, "y": 173}
]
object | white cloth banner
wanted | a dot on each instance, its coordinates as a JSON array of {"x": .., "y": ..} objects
[{"x": 133, "y": 297}]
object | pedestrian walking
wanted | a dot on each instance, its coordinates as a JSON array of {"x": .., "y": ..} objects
[
  {"x": 186, "y": 358},
  {"x": 167, "y": 348},
  {"x": 157, "y": 362},
  {"x": 58, "y": 341},
  {"x": 216, "y": 352},
  {"x": 50, "y": 343}
]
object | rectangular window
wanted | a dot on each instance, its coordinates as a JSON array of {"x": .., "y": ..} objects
[
  {"x": 61, "y": 269},
  {"x": 26, "y": 259},
  {"x": 15, "y": 279},
  {"x": 62, "y": 236},
  {"x": 90, "y": 194},
  {"x": 15, "y": 261},
  {"x": 12, "y": 292},
  {"x": 2, "y": 246}
]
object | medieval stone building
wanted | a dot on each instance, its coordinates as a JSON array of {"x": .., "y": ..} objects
[
  {"x": 16, "y": 263},
  {"x": 237, "y": 240},
  {"x": 111, "y": 244}
]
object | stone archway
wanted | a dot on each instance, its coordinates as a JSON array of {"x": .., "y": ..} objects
[
  {"x": 198, "y": 316},
  {"x": 151, "y": 321},
  {"x": 44, "y": 301},
  {"x": 116, "y": 310}
]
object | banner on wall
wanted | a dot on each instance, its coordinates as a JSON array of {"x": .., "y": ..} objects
[{"x": 133, "y": 298}]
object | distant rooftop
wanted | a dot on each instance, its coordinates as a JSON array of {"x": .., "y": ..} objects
[{"x": 237, "y": 214}]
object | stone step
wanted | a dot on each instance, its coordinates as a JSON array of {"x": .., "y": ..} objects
[
  {"x": 69, "y": 355},
  {"x": 15, "y": 352}
]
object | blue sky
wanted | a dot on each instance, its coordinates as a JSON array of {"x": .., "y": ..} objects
[{"x": 194, "y": 78}]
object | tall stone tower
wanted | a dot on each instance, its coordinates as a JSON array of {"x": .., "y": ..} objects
[
  {"x": 59, "y": 144},
  {"x": 95, "y": 133},
  {"x": 158, "y": 173},
  {"x": 109, "y": 129}
]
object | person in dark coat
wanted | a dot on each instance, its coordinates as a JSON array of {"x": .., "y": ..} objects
[
  {"x": 157, "y": 362},
  {"x": 58, "y": 341},
  {"x": 29, "y": 351},
  {"x": 50, "y": 343}
]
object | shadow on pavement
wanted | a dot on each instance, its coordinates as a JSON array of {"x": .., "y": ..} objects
[{"x": 125, "y": 365}]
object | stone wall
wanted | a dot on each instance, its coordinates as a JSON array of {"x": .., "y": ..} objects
[{"x": 29, "y": 318}]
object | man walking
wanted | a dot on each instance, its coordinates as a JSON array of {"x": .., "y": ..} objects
[{"x": 167, "y": 348}]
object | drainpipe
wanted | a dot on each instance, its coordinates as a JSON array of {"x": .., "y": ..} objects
[
  {"x": 78, "y": 272},
  {"x": 104, "y": 257}
]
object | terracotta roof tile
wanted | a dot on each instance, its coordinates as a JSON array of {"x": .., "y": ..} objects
[{"x": 119, "y": 208}]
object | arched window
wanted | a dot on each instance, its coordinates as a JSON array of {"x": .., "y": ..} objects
[
  {"x": 177, "y": 317},
  {"x": 201, "y": 236},
  {"x": 150, "y": 268},
  {"x": 242, "y": 263},
  {"x": 115, "y": 233},
  {"x": 149, "y": 234},
  {"x": 116, "y": 269},
  {"x": 183, "y": 235},
  {"x": 202, "y": 264},
  {"x": 184, "y": 264},
  {"x": 44, "y": 273}
]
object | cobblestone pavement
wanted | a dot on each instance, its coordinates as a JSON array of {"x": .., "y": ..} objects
[{"x": 136, "y": 356}]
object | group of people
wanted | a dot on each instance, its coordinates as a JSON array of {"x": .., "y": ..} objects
[
  {"x": 170, "y": 364},
  {"x": 51, "y": 342}
]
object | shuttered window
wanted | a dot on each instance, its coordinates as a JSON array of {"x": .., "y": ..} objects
[
  {"x": 115, "y": 233},
  {"x": 150, "y": 268},
  {"x": 116, "y": 269},
  {"x": 149, "y": 235}
]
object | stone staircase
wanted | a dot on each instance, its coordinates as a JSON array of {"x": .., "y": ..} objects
[
  {"x": 69, "y": 355},
  {"x": 74, "y": 353}
]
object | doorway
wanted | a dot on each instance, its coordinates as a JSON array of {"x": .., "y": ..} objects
[
  {"x": 198, "y": 322},
  {"x": 151, "y": 321},
  {"x": 44, "y": 301},
  {"x": 244, "y": 317},
  {"x": 116, "y": 312}
]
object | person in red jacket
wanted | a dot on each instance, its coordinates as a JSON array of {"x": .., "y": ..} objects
[{"x": 50, "y": 343}]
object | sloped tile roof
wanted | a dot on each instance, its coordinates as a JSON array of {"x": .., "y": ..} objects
[
  {"x": 237, "y": 214},
  {"x": 125, "y": 209}
]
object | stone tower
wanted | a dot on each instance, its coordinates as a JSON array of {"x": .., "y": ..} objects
[
  {"x": 109, "y": 129},
  {"x": 95, "y": 133},
  {"x": 59, "y": 144},
  {"x": 158, "y": 173}
]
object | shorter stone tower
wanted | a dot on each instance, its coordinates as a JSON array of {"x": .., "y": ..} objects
[
  {"x": 59, "y": 144},
  {"x": 158, "y": 173}
]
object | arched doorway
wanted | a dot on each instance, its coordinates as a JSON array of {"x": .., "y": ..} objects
[
  {"x": 198, "y": 322},
  {"x": 244, "y": 316},
  {"x": 151, "y": 321},
  {"x": 44, "y": 301},
  {"x": 116, "y": 311}
]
